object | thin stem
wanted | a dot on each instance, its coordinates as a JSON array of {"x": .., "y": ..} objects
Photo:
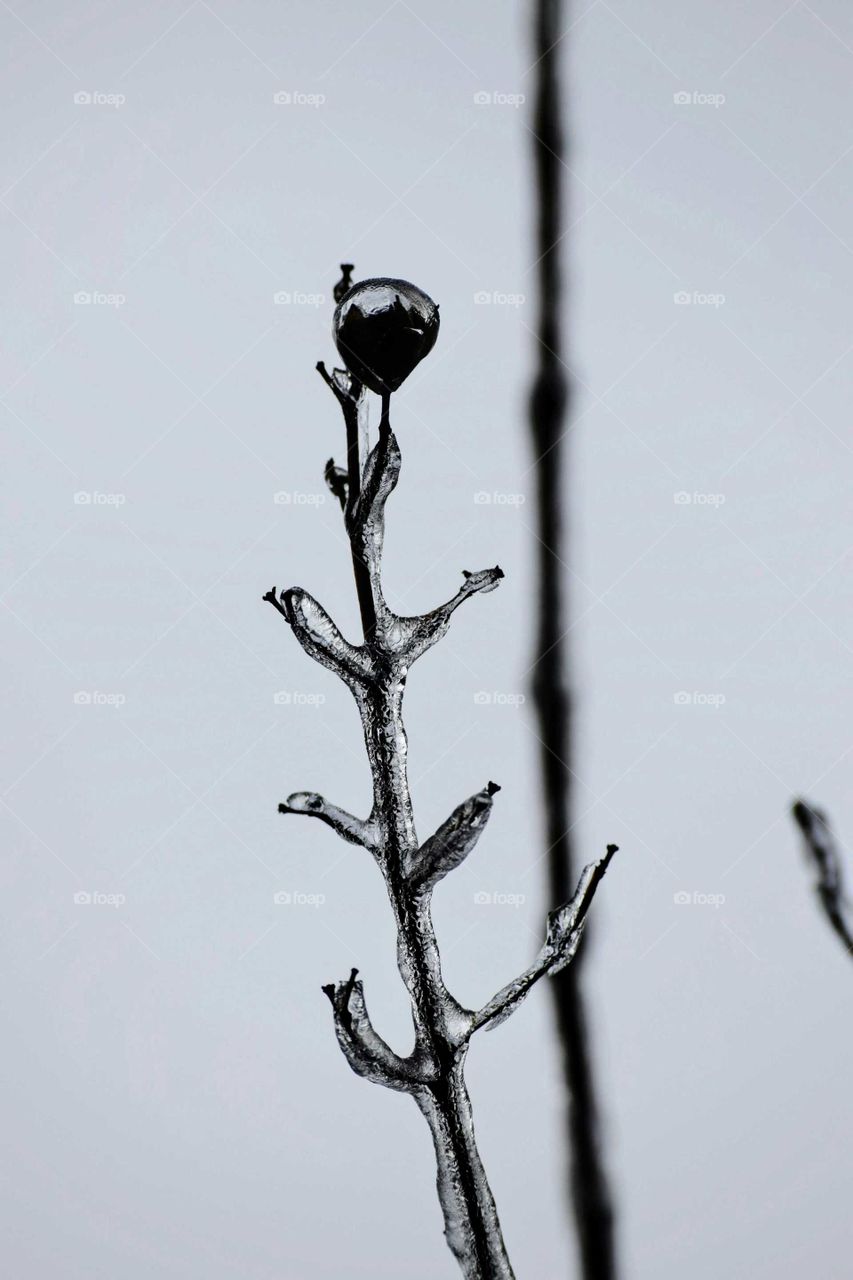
[
  {"x": 471, "y": 1223},
  {"x": 590, "y": 1193},
  {"x": 354, "y": 412},
  {"x": 472, "y": 1227},
  {"x": 376, "y": 673},
  {"x": 825, "y": 857}
]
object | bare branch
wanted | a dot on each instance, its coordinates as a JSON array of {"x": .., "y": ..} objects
[
  {"x": 272, "y": 597},
  {"x": 341, "y": 383},
  {"x": 345, "y": 283},
  {"x": 562, "y": 938},
  {"x": 320, "y": 637},
  {"x": 379, "y": 479},
  {"x": 550, "y": 414},
  {"x": 365, "y": 1051},
  {"x": 822, "y": 851},
  {"x": 453, "y": 840},
  {"x": 337, "y": 482},
  {"x": 420, "y": 633},
  {"x": 375, "y": 672},
  {"x": 350, "y": 828}
]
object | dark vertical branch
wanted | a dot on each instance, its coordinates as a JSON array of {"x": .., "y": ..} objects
[
  {"x": 549, "y": 406},
  {"x": 824, "y": 856}
]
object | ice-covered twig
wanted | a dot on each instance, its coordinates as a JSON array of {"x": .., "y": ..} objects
[
  {"x": 562, "y": 938},
  {"x": 350, "y": 828},
  {"x": 365, "y": 1050},
  {"x": 376, "y": 673},
  {"x": 453, "y": 840},
  {"x": 336, "y": 482},
  {"x": 823, "y": 853},
  {"x": 418, "y": 634},
  {"x": 320, "y": 637}
]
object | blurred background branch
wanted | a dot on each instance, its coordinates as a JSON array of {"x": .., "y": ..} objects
[{"x": 549, "y": 405}]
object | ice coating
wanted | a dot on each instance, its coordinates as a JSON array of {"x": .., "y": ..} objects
[
  {"x": 376, "y": 673},
  {"x": 383, "y": 328}
]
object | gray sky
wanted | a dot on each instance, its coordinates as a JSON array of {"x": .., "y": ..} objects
[{"x": 173, "y": 1102}]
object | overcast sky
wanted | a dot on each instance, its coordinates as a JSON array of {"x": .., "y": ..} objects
[{"x": 173, "y": 1102}]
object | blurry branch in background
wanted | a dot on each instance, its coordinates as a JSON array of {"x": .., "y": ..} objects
[
  {"x": 382, "y": 327},
  {"x": 824, "y": 856},
  {"x": 549, "y": 403}
]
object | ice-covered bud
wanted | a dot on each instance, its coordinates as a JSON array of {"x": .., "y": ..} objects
[
  {"x": 453, "y": 840},
  {"x": 382, "y": 329}
]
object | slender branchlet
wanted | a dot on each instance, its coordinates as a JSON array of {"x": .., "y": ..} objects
[
  {"x": 550, "y": 403},
  {"x": 824, "y": 857},
  {"x": 375, "y": 672}
]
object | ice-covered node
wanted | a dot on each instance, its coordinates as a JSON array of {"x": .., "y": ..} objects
[{"x": 382, "y": 329}]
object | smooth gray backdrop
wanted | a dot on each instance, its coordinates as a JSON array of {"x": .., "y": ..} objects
[{"x": 173, "y": 1103}]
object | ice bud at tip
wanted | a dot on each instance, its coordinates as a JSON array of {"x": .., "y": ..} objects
[{"x": 382, "y": 329}]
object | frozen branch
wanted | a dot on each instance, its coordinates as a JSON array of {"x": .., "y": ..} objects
[
  {"x": 562, "y": 938},
  {"x": 389, "y": 326},
  {"x": 311, "y": 805},
  {"x": 453, "y": 840},
  {"x": 417, "y": 634},
  {"x": 349, "y": 393},
  {"x": 320, "y": 637},
  {"x": 365, "y": 1050},
  {"x": 823, "y": 853},
  {"x": 336, "y": 482}
]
